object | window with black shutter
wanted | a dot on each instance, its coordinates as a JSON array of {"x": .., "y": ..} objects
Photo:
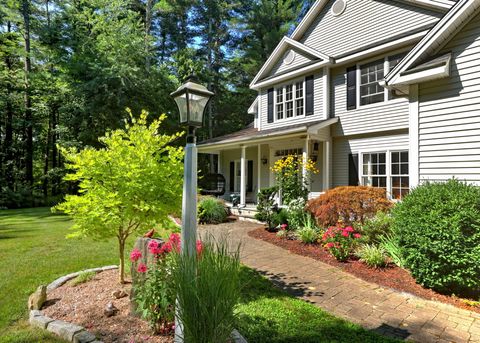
[
  {"x": 270, "y": 105},
  {"x": 232, "y": 176},
  {"x": 351, "y": 88},
  {"x": 250, "y": 176},
  {"x": 309, "y": 95},
  {"x": 353, "y": 170}
]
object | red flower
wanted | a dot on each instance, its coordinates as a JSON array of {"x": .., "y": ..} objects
[
  {"x": 329, "y": 245},
  {"x": 142, "y": 268},
  {"x": 175, "y": 241},
  {"x": 166, "y": 248},
  {"x": 345, "y": 233},
  {"x": 154, "y": 247},
  {"x": 135, "y": 255},
  {"x": 349, "y": 229},
  {"x": 357, "y": 235},
  {"x": 199, "y": 247}
]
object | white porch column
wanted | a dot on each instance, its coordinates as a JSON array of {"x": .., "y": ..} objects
[
  {"x": 259, "y": 167},
  {"x": 219, "y": 162},
  {"x": 305, "y": 155},
  {"x": 243, "y": 183},
  {"x": 327, "y": 152}
]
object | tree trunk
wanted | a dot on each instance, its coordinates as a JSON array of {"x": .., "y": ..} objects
[
  {"x": 47, "y": 158},
  {"x": 27, "y": 99},
  {"x": 8, "y": 142},
  {"x": 121, "y": 266}
]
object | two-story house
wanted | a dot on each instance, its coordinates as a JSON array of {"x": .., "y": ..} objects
[{"x": 382, "y": 93}]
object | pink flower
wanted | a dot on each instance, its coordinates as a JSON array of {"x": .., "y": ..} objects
[
  {"x": 349, "y": 229},
  {"x": 199, "y": 247},
  {"x": 345, "y": 234},
  {"x": 135, "y": 255},
  {"x": 283, "y": 226},
  {"x": 329, "y": 245},
  {"x": 357, "y": 235},
  {"x": 154, "y": 247},
  {"x": 175, "y": 241},
  {"x": 166, "y": 248},
  {"x": 142, "y": 268}
]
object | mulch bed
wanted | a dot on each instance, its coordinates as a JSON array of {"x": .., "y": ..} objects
[
  {"x": 392, "y": 276},
  {"x": 84, "y": 305}
]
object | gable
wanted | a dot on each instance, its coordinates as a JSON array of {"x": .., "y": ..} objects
[
  {"x": 365, "y": 23},
  {"x": 291, "y": 59}
]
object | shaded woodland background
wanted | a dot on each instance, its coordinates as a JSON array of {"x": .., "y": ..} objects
[{"x": 69, "y": 68}]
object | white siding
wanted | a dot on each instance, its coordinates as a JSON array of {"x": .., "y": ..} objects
[
  {"x": 281, "y": 67},
  {"x": 363, "y": 23},
  {"x": 449, "y": 114},
  {"x": 318, "y": 107},
  {"x": 344, "y": 146},
  {"x": 382, "y": 116}
]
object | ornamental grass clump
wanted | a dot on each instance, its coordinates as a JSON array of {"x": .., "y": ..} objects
[
  {"x": 438, "y": 230},
  {"x": 372, "y": 255},
  {"x": 208, "y": 290},
  {"x": 211, "y": 211},
  {"x": 340, "y": 241}
]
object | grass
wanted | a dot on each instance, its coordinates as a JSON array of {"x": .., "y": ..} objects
[
  {"x": 268, "y": 314},
  {"x": 34, "y": 251}
]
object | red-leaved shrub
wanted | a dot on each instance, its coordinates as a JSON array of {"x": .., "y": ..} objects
[{"x": 348, "y": 204}]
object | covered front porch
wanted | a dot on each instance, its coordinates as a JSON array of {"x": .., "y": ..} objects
[{"x": 245, "y": 158}]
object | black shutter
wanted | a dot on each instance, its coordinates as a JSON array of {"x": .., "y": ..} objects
[
  {"x": 309, "y": 95},
  {"x": 250, "y": 176},
  {"x": 351, "y": 88},
  {"x": 232, "y": 176},
  {"x": 270, "y": 105},
  {"x": 353, "y": 169}
]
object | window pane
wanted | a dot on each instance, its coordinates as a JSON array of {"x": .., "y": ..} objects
[
  {"x": 299, "y": 107},
  {"x": 382, "y": 157},
  {"x": 404, "y": 169},
  {"x": 395, "y": 169},
  {"x": 404, "y": 157},
  {"x": 395, "y": 157},
  {"x": 382, "y": 169}
]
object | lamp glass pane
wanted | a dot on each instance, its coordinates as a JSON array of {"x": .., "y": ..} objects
[
  {"x": 197, "y": 106},
  {"x": 181, "y": 101}
]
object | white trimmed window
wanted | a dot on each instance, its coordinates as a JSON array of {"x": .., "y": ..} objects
[
  {"x": 387, "y": 170},
  {"x": 290, "y": 100},
  {"x": 370, "y": 90}
]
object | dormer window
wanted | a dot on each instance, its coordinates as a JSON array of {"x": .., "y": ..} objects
[{"x": 290, "y": 100}]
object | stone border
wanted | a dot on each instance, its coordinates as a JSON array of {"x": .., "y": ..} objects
[
  {"x": 68, "y": 331},
  {"x": 76, "y": 333}
]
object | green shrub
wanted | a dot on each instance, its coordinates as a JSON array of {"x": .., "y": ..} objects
[
  {"x": 266, "y": 208},
  {"x": 375, "y": 228},
  {"x": 296, "y": 214},
  {"x": 307, "y": 235},
  {"x": 373, "y": 256},
  {"x": 208, "y": 290},
  {"x": 83, "y": 277},
  {"x": 211, "y": 211},
  {"x": 390, "y": 244},
  {"x": 438, "y": 227},
  {"x": 281, "y": 217}
]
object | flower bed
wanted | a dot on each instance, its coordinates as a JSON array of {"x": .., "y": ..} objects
[{"x": 390, "y": 276}]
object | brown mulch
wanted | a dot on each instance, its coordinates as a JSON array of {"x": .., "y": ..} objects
[
  {"x": 84, "y": 305},
  {"x": 392, "y": 276}
]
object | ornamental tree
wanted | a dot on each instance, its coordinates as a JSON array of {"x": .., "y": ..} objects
[{"x": 132, "y": 183}]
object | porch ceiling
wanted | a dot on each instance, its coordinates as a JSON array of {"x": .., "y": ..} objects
[{"x": 251, "y": 135}]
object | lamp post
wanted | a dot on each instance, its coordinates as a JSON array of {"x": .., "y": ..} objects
[{"x": 192, "y": 99}]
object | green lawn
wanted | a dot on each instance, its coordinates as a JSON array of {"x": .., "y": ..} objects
[{"x": 33, "y": 250}]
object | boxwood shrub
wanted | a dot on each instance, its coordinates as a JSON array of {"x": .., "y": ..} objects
[{"x": 438, "y": 229}]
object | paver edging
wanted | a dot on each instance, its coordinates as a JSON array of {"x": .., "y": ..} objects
[{"x": 76, "y": 333}]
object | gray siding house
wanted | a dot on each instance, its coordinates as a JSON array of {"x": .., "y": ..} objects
[{"x": 378, "y": 93}]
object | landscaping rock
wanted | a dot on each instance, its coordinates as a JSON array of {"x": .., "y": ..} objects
[
  {"x": 35, "y": 313},
  {"x": 110, "y": 310},
  {"x": 118, "y": 294},
  {"x": 63, "y": 329},
  {"x": 38, "y": 298},
  {"x": 109, "y": 267},
  {"x": 40, "y": 321},
  {"x": 84, "y": 337}
]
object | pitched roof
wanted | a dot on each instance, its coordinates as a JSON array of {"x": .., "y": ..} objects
[
  {"x": 284, "y": 44},
  {"x": 435, "y": 39},
  {"x": 252, "y": 133}
]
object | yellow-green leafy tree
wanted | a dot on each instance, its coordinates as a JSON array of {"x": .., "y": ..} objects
[{"x": 131, "y": 184}]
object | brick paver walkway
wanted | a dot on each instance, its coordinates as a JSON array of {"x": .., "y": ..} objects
[{"x": 381, "y": 309}]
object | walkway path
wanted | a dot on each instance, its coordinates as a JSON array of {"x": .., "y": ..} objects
[{"x": 381, "y": 309}]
